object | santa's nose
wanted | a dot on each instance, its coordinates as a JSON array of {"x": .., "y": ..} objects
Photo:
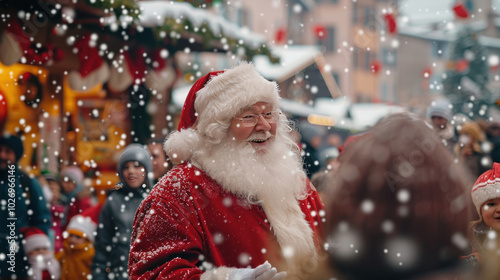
[{"x": 262, "y": 124}]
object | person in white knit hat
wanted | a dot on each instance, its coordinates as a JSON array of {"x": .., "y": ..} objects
[
  {"x": 440, "y": 114},
  {"x": 238, "y": 205}
]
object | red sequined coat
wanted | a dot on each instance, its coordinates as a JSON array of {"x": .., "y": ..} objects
[{"x": 189, "y": 224}]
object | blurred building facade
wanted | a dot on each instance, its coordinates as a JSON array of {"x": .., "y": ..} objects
[{"x": 370, "y": 60}]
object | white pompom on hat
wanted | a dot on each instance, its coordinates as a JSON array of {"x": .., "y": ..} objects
[
  {"x": 487, "y": 187},
  {"x": 82, "y": 226},
  {"x": 216, "y": 98}
]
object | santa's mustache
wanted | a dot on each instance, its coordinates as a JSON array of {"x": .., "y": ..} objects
[{"x": 259, "y": 136}]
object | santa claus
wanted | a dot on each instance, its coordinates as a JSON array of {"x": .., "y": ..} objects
[{"x": 238, "y": 205}]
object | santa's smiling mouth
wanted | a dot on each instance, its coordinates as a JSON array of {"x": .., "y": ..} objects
[{"x": 257, "y": 140}]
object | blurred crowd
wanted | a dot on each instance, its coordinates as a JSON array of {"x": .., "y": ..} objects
[{"x": 61, "y": 230}]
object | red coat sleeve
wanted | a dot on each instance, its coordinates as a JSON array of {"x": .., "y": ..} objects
[
  {"x": 314, "y": 210},
  {"x": 167, "y": 241}
]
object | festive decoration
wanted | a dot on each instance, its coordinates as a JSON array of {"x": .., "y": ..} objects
[
  {"x": 58, "y": 54},
  {"x": 3, "y": 110},
  {"x": 390, "y": 22},
  {"x": 41, "y": 55},
  {"x": 375, "y": 66},
  {"x": 280, "y": 36},
  {"x": 319, "y": 31},
  {"x": 162, "y": 75},
  {"x": 462, "y": 65},
  {"x": 427, "y": 72},
  {"x": 131, "y": 69},
  {"x": 93, "y": 70},
  {"x": 466, "y": 80},
  {"x": 14, "y": 43},
  {"x": 460, "y": 10},
  {"x": 122, "y": 7}
]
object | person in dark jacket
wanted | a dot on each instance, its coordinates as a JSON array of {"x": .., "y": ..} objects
[
  {"x": 117, "y": 215},
  {"x": 493, "y": 135},
  {"x": 312, "y": 137},
  {"x": 40, "y": 214},
  {"x": 14, "y": 214}
]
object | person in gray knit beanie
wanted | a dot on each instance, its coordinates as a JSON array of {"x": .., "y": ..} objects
[{"x": 117, "y": 214}]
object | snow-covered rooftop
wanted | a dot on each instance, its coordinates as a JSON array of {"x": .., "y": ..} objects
[
  {"x": 154, "y": 13},
  {"x": 441, "y": 32},
  {"x": 292, "y": 59}
]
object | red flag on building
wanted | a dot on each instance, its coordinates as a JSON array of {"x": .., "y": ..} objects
[
  {"x": 320, "y": 31},
  {"x": 460, "y": 10},
  {"x": 390, "y": 21},
  {"x": 280, "y": 36}
]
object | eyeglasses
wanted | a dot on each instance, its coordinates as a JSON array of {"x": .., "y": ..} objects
[{"x": 252, "y": 119}]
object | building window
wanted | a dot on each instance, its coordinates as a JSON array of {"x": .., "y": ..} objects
[
  {"x": 243, "y": 18},
  {"x": 366, "y": 16},
  {"x": 355, "y": 58},
  {"x": 384, "y": 96},
  {"x": 367, "y": 61},
  {"x": 438, "y": 49},
  {"x": 337, "y": 79},
  {"x": 389, "y": 57},
  {"x": 355, "y": 12},
  {"x": 328, "y": 41}
]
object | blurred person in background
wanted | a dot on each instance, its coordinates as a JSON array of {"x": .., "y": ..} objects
[
  {"x": 493, "y": 135},
  {"x": 38, "y": 249},
  {"x": 78, "y": 250},
  {"x": 74, "y": 195},
  {"x": 159, "y": 159},
  {"x": 15, "y": 265},
  {"x": 52, "y": 192},
  {"x": 311, "y": 140},
  {"x": 397, "y": 208},
  {"x": 116, "y": 218},
  {"x": 469, "y": 149},
  {"x": 440, "y": 114}
]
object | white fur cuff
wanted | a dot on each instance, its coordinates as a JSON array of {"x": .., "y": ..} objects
[{"x": 180, "y": 145}]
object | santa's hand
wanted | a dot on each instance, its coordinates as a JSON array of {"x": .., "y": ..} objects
[{"x": 261, "y": 272}]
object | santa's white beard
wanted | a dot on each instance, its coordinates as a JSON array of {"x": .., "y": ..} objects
[{"x": 271, "y": 177}]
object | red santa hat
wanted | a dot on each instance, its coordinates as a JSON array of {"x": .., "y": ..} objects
[
  {"x": 487, "y": 187},
  {"x": 83, "y": 226},
  {"x": 35, "y": 238},
  {"x": 214, "y": 99},
  {"x": 14, "y": 43},
  {"x": 130, "y": 69},
  {"x": 93, "y": 70}
]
